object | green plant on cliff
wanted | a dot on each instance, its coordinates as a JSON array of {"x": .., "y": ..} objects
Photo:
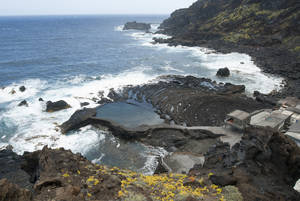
[{"x": 269, "y": 22}]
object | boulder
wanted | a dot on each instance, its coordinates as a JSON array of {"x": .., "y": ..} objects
[
  {"x": 56, "y": 106},
  {"x": 223, "y": 72},
  {"x": 79, "y": 119},
  {"x": 12, "y": 192},
  {"x": 22, "y": 88},
  {"x": 23, "y": 103},
  {"x": 41, "y": 100},
  {"x": 137, "y": 26},
  {"x": 234, "y": 89},
  {"x": 263, "y": 98},
  {"x": 84, "y": 104}
]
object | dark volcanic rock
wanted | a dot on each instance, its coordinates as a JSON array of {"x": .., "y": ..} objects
[
  {"x": 84, "y": 104},
  {"x": 266, "y": 30},
  {"x": 12, "y": 192},
  {"x": 261, "y": 164},
  {"x": 23, "y": 103},
  {"x": 114, "y": 95},
  {"x": 190, "y": 100},
  {"x": 41, "y": 100},
  {"x": 104, "y": 101},
  {"x": 11, "y": 169},
  {"x": 56, "y": 106},
  {"x": 79, "y": 119},
  {"x": 22, "y": 88},
  {"x": 137, "y": 26},
  {"x": 263, "y": 98},
  {"x": 223, "y": 72},
  {"x": 160, "y": 169},
  {"x": 171, "y": 138},
  {"x": 62, "y": 175},
  {"x": 232, "y": 89}
]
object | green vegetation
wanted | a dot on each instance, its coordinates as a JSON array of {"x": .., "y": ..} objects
[
  {"x": 231, "y": 193},
  {"x": 297, "y": 49},
  {"x": 245, "y": 21}
]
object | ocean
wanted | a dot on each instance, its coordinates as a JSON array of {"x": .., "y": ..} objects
[{"x": 73, "y": 58}]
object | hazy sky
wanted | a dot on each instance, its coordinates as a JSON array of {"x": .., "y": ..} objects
[{"x": 46, "y": 7}]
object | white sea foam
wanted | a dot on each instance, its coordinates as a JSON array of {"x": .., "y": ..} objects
[
  {"x": 33, "y": 86},
  {"x": 98, "y": 160},
  {"x": 152, "y": 154},
  {"x": 243, "y": 70},
  {"x": 119, "y": 28},
  {"x": 37, "y": 128}
]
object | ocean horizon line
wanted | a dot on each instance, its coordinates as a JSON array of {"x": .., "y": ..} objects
[{"x": 108, "y": 14}]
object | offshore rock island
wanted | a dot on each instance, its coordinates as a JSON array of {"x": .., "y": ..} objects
[{"x": 205, "y": 158}]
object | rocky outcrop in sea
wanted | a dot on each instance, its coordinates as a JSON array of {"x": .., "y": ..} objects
[{"x": 137, "y": 26}]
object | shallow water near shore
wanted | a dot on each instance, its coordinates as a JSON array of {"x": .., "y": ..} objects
[
  {"x": 72, "y": 58},
  {"x": 129, "y": 114}
]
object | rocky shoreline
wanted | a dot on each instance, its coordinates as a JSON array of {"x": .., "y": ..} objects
[
  {"x": 262, "y": 165},
  {"x": 258, "y": 164},
  {"x": 247, "y": 27}
]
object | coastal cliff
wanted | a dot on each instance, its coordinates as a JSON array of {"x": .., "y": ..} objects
[
  {"x": 263, "y": 166},
  {"x": 266, "y": 30}
]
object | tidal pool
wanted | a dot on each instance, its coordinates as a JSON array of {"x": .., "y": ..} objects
[{"x": 129, "y": 114}]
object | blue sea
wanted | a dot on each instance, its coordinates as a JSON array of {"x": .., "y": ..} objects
[{"x": 73, "y": 58}]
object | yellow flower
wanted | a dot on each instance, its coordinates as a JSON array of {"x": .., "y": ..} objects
[
  {"x": 89, "y": 194},
  {"x": 78, "y": 172},
  {"x": 219, "y": 191},
  {"x": 96, "y": 182},
  {"x": 66, "y": 175},
  {"x": 201, "y": 181},
  {"x": 91, "y": 178},
  {"x": 120, "y": 194},
  {"x": 210, "y": 174}
]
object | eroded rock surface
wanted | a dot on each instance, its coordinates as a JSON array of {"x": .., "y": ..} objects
[
  {"x": 264, "y": 166},
  {"x": 12, "y": 192},
  {"x": 191, "y": 101},
  {"x": 79, "y": 119}
]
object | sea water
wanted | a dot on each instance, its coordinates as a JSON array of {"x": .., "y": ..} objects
[{"x": 72, "y": 58}]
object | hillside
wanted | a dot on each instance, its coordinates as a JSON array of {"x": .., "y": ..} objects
[{"x": 267, "y": 30}]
